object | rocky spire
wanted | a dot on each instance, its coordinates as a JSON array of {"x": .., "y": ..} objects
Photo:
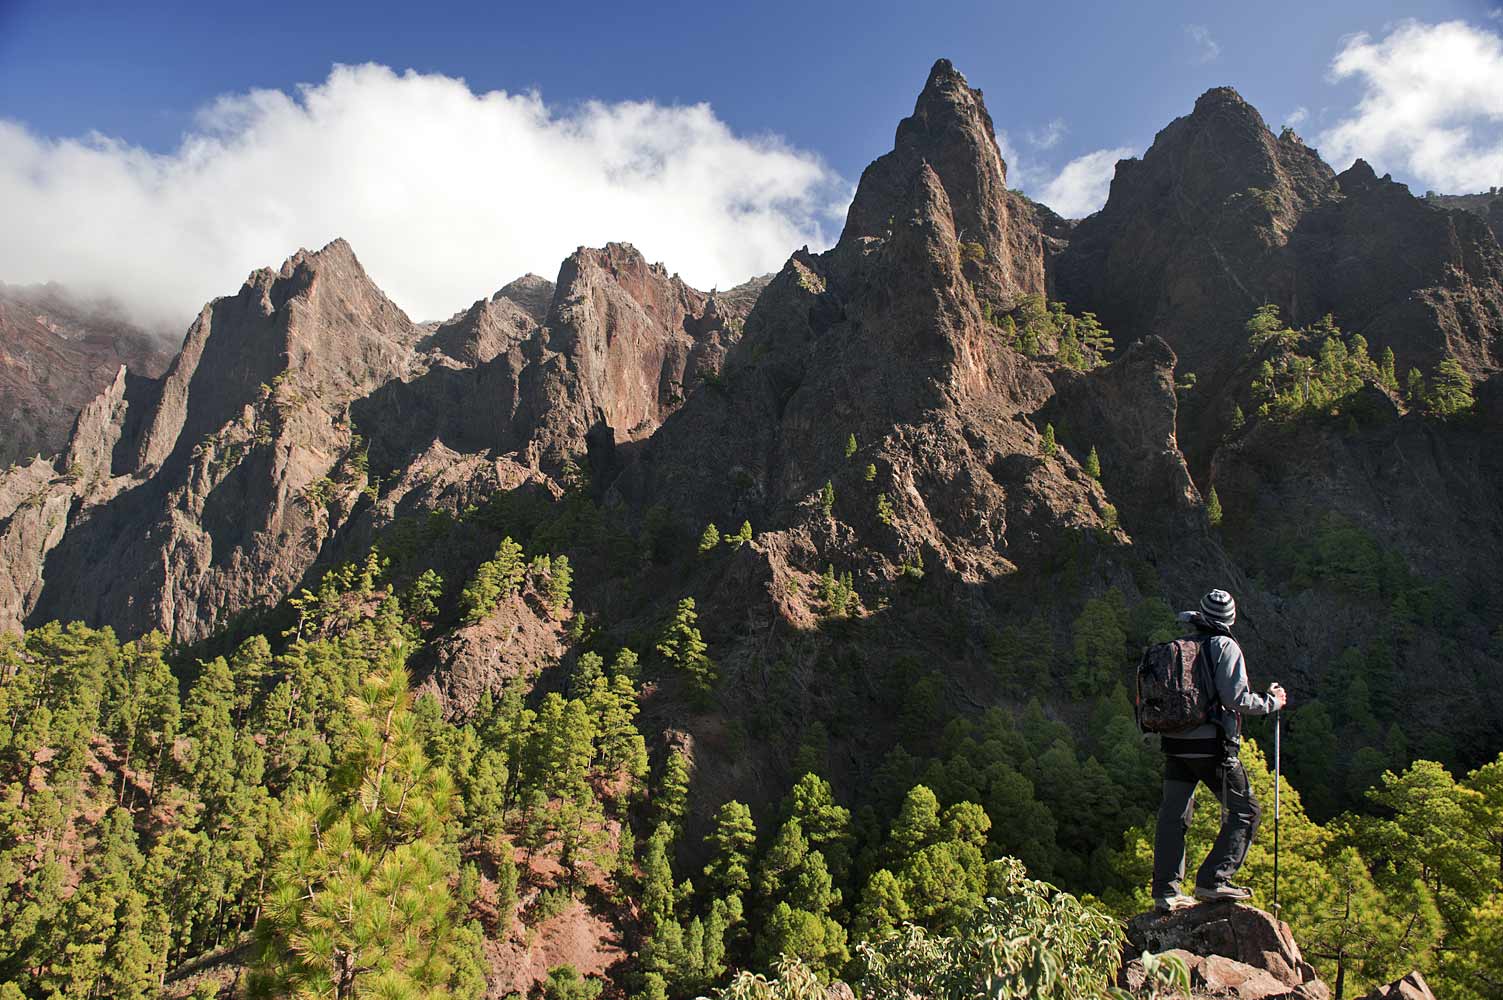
[{"x": 951, "y": 132}]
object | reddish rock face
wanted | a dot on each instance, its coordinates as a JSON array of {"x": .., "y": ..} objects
[
  {"x": 1411, "y": 987},
  {"x": 200, "y": 495},
  {"x": 56, "y": 354},
  {"x": 1232, "y": 950}
]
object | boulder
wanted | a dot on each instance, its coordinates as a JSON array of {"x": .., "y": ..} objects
[
  {"x": 1231, "y": 950},
  {"x": 1411, "y": 987}
]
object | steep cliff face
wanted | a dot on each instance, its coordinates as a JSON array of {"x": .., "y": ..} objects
[
  {"x": 209, "y": 491},
  {"x": 951, "y": 131},
  {"x": 1220, "y": 217},
  {"x": 56, "y": 354},
  {"x": 212, "y": 490},
  {"x": 620, "y": 347},
  {"x": 883, "y": 339}
]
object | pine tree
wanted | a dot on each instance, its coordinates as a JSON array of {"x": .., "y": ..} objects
[
  {"x": 560, "y": 579},
  {"x": 358, "y": 900},
  {"x": 827, "y": 498},
  {"x": 494, "y": 580},
  {"x": 871, "y": 471},
  {"x": 732, "y": 842},
  {"x": 827, "y": 825},
  {"x": 1451, "y": 389},
  {"x": 105, "y": 951},
  {"x": 682, "y": 648},
  {"x": 1386, "y": 373},
  {"x": 742, "y": 536},
  {"x": 658, "y": 894},
  {"x": 1049, "y": 446},
  {"x": 421, "y": 598},
  {"x": 1414, "y": 388},
  {"x": 883, "y": 907},
  {"x": 1239, "y": 419},
  {"x": 850, "y": 446},
  {"x": 625, "y": 665},
  {"x": 884, "y": 509},
  {"x": 710, "y": 538},
  {"x": 1213, "y": 508},
  {"x": 672, "y": 800},
  {"x": 798, "y": 895},
  {"x": 1096, "y": 340},
  {"x": 1093, "y": 464}
]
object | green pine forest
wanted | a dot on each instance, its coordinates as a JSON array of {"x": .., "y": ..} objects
[{"x": 285, "y": 811}]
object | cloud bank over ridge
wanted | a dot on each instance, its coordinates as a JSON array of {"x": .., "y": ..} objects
[{"x": 444, "y": 193}]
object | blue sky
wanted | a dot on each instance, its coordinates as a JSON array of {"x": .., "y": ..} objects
[{"x": 805, "y": 94}]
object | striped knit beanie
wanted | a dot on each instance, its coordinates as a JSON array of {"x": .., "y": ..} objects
[{"x": 1219, "y": 607}]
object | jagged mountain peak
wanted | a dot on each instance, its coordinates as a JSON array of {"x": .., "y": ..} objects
[
  {"x": 1224, "y": 97},
  {"x": 950, "y": 133},
  {"x": 533, "y": 292}
]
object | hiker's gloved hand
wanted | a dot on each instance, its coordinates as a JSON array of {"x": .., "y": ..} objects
[{"x": 1280, "y": 699}]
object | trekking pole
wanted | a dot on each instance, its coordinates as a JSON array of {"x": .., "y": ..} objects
[{"x": 1276, "y": 812}]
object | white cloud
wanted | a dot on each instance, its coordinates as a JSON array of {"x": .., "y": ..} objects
[
  {"x": 444, "y": 193},
  {"x": 1431, "y": 105},
  {"x": 1075, "y": 190},
  {"x": 1204, "y": 48},
  {"x": 1049, "y": 136},
  {"x": 1082, "y": 186},
  {"x": 1298, "y": 116}
]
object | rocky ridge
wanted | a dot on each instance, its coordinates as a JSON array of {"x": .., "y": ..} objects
[{"x": 56, "y": 354}]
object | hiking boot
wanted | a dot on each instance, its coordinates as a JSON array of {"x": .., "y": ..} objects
[
  {"x": 1235, "y": 893},
  {"x": 1168, "y": 904}
]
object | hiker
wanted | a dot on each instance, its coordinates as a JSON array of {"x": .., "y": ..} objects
[{"x": 1208, "y": 753}]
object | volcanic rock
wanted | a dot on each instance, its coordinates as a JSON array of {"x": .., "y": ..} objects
[
  {"x": 1232, "y": 950},
  {"x": 56, "y": 354}
]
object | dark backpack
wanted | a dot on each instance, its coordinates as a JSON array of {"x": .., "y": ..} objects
[{"x": 1174, "y": 689}]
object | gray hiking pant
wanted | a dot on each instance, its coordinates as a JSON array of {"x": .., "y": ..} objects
[{"x": 1181, "y": 774}]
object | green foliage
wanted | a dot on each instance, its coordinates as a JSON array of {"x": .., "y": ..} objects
[
  {"x": 681, "y": 647},
  {"x": 709, "y": 539},
  {"x": 871, "y": 472},
  {"x": 495, "y": 580},
  {"x": 358, "y": 896},
  {"x": 1451, "y": 390},
  {"x": 1036, "y": 326},
  {"x": 1414, "y": 388},
  {"x": 850, "y": 446},
  {"x": 731, "y": 843},
  {"x": 1099, "y": 638},
  {"x": 1093, "y": 464},
  {"x": 565, "y": 983},
  {"x": 1387, "y": 377},
  {"x": 672, "y": 799},
  {"x": 1028, "y": 940},
  {"x": 1049, "y": 446},
  {"x": 559, "y": 580},
  {"x": 884, "y": 510},
  {"x": 742, "y": 536},
  {"x": 838, "y": 593},
  {"x": 827, "y": 498},
  {"x": 1314, "y": 370},
  {"x": 1213, "y": 508}
]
